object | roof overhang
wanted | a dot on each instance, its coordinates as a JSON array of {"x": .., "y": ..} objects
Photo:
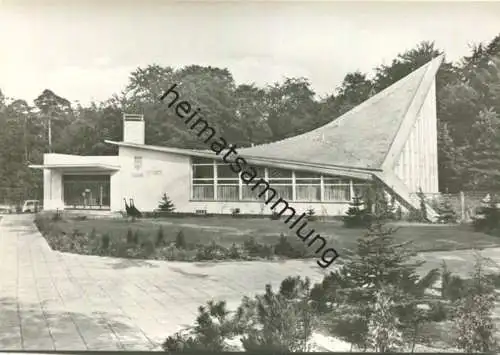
[
  {"x": 78, "y": 168},
  {"x": 364, "y": 174}
]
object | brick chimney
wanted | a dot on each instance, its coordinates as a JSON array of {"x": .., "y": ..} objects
[{"x": 133, "y": 128}]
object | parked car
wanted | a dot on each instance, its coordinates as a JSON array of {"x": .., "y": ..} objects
[
  {"x": 31, "y": 206},
  {"x": 7, "y": 209}
]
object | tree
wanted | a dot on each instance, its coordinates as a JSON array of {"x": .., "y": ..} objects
[
  {"x": 446, "y": 212},
  {"x": 52, "y": 108},
  {"x": 380, "y": 268},
  {"x": 355, "y": 89},
  {"x": 404, "y": 64},
  {"x": 357, "y": 214},
  {"x": 485, "y": 169},
  {"x": 291, "y": 107},
  {"x": 473, "y": 319},
  {"x": 212, "y": 329},
  {"x": 384, "y": 327},
  {"x": 166, "y": 205},
  {"x": 280, "y": 321},
  {"x": 252, "y": 114}
]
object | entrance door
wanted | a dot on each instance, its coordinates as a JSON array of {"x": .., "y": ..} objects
[{"x": 86, "y": 191}]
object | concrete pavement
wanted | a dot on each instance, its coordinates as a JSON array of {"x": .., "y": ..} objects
[{"x": 57, "y": 301}]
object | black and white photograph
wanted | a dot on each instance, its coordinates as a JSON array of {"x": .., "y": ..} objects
[{"x": 250, "y": 176}]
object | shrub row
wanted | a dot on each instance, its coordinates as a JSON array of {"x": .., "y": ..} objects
[{"x": 135, "y": 245}]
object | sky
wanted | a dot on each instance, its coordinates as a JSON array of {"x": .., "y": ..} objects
[{"x": 84, "y": 50}]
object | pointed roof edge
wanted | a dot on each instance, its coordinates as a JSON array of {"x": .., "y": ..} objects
[
  {"x": 358, "y": 173},
  {"x": 398, "y": 187},
  {"x": 411, "y": 114}
]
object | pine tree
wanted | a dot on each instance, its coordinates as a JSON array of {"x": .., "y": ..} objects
[
  {"x": 473, "y": 319},
  {"x": 211, "y": 331},
  {"x": 385, "y": 327},
  {"x": 446, "y": 212},
  {"x": 277, "y": 321},
  {"x": 356, "y": 215},
  {"x": 166, "y": 205},
  {"x": 485, "y": 169},
  {"x": 380, "y": 263}
]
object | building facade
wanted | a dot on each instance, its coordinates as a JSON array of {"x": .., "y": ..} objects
[{"x": 390, "y": 139}]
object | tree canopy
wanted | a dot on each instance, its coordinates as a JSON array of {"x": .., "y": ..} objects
[{"x": 468, "y": 104}]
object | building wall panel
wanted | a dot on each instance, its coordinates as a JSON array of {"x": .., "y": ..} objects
[{"x": 417, "y": 164}]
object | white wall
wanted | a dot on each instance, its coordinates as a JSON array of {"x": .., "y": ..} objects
[
  {"x": 133, "y": 131},
  {"x": 417, "y": 165},
  {"x": 171, "y": 173},
  {"x": 52, "y": 190},
  {"x": 53, "y": 197}
]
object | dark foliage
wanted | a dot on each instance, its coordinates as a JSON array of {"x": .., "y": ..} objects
[
  {"x": 357, "y": 216},
  {"x": 130, "y": 237},
  {"x": 180, "y": 240},
  {"x": 166, "y": 205},
  {"x": 446, "y": 212},
  {"x": 275, "y": 215},
  {"x": 160, "y": 237},
  {"x": 255, "y": 249}
]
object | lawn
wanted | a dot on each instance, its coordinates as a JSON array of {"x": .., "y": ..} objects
[{"x": 226, "y": 230}]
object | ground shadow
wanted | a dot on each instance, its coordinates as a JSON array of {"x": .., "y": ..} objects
[
  {"x": 25, "y": 326},
  {"x": 121, "y": 263}
]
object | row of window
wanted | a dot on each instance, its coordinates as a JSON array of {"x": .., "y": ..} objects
[{"x": 214, "y": 180}]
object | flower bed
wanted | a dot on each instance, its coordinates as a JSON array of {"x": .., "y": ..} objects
[{"x": 136, "y": 243}]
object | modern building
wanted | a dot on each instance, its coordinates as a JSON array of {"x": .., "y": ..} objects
[{"x": 391, "y": 139}]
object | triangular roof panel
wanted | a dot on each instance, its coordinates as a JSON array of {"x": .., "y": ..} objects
[{"x": 362, "y": 137}]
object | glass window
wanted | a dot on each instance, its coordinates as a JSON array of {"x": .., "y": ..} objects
[
  {"x": 204, "y": 161},
  {"x": 228, "y": 192},
  {"x": 279, "y": 173},
  {"x": 203, "y": 172},
  {"x": 338, "y": 193},
  {"x": 203, "y": 192},
  {"x": 225, "y": 172}
]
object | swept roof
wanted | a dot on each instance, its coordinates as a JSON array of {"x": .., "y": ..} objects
[{"x": 362, "y": 137}]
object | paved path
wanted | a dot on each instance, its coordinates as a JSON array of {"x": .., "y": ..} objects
[{"x": 58, "y": 301}]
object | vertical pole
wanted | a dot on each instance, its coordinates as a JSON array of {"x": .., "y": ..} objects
[
  {"x": 214, "y": 164},
  {"x": 462, "y": 205},
  {"x": 100, "y": 195},
  {"x": 50, "y": 134}
]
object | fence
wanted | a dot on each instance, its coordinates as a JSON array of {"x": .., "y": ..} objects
[{"x": 463, "y": 203}]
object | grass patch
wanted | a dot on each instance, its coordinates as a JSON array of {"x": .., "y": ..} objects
[{"x": 217, "y": 236}]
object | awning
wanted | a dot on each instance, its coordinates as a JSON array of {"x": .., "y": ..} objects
[{"x": 77, "y": 167}]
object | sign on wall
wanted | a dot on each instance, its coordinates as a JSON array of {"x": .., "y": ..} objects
[{"x": 138, "y": 163}]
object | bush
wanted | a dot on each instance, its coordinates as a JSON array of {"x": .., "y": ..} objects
[
  {"x": 105, "y": 242},
  {"x": 275, "y": 216},
  {"x": 255, "y": 249},
  {"x": 160, "y": 237},
  {"x": 235, "y": 252},
  {"x": 415, "y": 215},
  {"x": 57, "y": 216},
  {"x": 130, "y": 237},
  {"x": 311, "y": 215},
  {"x": 171, "y": 253},
  {"x": 446, "y": 212},
  {"x": 147, "y": 248},
  {"x": 487, "y": 218},
  {"x": 213, "y": 251},
  {"x": 180, "y": 240},
  {"x": 284, "y": 248},
  {"x": 137, "y": 238},
  {"x": 357, "y": 216}
]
